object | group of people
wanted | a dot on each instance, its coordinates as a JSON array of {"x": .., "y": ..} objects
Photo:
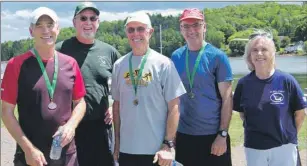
[{"x": 164, "y": 109}]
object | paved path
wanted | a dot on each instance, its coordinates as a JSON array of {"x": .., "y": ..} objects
[{"x": 8, "y": 150}]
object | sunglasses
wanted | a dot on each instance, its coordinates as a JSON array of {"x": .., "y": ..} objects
[
  {"x": 138, "y": 29},
  {"x": 84, "y": 18},
  {"x": 268, "y": 35}
]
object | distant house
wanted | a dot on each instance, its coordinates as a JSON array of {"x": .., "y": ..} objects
[{"x": 294, "y": 48}]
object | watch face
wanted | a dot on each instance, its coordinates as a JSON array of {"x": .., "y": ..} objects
[{"x": 224, "y": 133}]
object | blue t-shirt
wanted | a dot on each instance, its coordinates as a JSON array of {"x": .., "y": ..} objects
[
  {"x": 201, "y": 115},
  {"x": 269, "y": 107}
]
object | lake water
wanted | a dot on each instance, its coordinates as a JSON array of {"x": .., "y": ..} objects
[{"x": 290, "y": 64}]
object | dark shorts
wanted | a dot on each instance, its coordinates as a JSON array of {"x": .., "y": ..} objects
[
  {"x": 135, "y": 160},
  {"x": 65, "y": 160},
  {"x": 197, "y": 149},
  {"x": 93, "y": 143}
]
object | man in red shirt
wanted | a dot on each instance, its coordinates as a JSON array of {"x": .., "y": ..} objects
[{"x": 43, "y": 83}]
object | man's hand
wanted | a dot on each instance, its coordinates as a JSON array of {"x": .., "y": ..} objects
[
  {"x": 165, "y": 156},
  {"x": 35, "y": 157},
  {"x": 108, "y": 116},
  {"x": 68, "y": 133},
  {"x": 219, "y": 146}
]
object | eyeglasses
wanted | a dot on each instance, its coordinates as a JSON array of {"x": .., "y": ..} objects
[
  {"x": 195, "y": 26},
  {"x": 84, "y": 18},
  {"x": 139, "y": 29}
]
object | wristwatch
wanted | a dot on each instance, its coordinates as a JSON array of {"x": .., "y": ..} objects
[
  {"x": 170, "y": 144},
  {"x": 223, "y": 133}
]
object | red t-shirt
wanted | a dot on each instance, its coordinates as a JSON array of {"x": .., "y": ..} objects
[{"x": 23, "y": 84}]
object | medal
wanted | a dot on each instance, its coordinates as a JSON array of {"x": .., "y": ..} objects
[
  {"x": 50, "y": 87},
  {"x": 135, "y": 81},
  {"x": 52, "y": 105},
  {"x": 191, "y": 95},
  {"x": 135, "y": 102},
  {"x": 191, "y": 77}
]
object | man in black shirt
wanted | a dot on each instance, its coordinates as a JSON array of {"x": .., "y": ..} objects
[{"x": 96, "y": 59}]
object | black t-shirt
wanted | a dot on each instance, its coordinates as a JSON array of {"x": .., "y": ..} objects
[{"x": 96, "y": 63}]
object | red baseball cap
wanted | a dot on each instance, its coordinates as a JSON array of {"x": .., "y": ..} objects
[{"x": 191, "y": 13}]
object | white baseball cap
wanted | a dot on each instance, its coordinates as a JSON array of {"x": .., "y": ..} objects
[
  {"x": 141, "y": 17},
  {"x": 37, "y": 13}
]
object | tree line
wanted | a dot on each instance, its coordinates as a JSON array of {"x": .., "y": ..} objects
[{"x": 224, "y": 27}]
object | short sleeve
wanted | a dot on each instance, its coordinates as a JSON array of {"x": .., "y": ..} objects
[
  {"x": 223, "y": 71},
  {"x": 79, "y": 88},
  {"x": 9, "y": 84},
  {"x": 171, "y": 83},
  {"x": 297, "y": 99},
  {"x": 237, "y": 97},
  {"x": 114, "y": 86}
]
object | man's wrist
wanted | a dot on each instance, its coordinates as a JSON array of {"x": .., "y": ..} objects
[
  {"x": 223, "y": 133},
  {"x": 169, "y": 143}
]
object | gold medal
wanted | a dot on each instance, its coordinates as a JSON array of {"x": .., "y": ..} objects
[{"x": 191, "y": 95}]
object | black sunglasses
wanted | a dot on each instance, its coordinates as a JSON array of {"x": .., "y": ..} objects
[
  {"x": 138, "y": 29},
  {"x": 84, "y": 18},
  {"x": 252, "y": 36}
]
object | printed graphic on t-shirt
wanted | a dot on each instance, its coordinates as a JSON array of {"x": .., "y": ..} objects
[
  {"x": 146, "y": 78},
  {"x": 277, "y": 97}
]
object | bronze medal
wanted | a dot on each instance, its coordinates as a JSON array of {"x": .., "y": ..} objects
[
  {"x": 191, "y": 95},
  {"x": 135, "y": 102}
]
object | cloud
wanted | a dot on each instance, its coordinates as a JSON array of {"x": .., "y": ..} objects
[{"x": 15, "y": 25}]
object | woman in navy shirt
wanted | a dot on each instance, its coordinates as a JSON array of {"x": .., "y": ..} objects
[{"x": 271, "y": 105}]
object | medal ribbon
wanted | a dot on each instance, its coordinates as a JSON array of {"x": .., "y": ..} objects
[
  {"x": 51, "y": 88},
  {"x": 191, "y": 79},
  {"x": 139, "y": 74}
]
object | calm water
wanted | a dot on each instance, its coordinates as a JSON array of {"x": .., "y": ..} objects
[
  {"x": 296, "y": 65},
  {"x": 290, "y": 64}
]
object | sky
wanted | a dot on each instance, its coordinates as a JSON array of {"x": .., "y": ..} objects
[{"x": 15, "y": 15}]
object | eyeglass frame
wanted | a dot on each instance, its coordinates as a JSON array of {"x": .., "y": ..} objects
[
  {"x": 196, "y": 25},
  {"x": 262, "y": 34}
]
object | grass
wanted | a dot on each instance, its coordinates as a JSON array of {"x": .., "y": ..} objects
[{"x": 237, "y": 134}]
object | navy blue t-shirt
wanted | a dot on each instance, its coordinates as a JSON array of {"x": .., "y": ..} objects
[{"x": 269, "y": 107}]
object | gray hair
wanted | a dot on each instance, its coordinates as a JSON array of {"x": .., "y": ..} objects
[{"x": 258, "y": 33}]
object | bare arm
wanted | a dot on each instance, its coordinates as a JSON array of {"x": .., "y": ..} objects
[
  {"x": 226, "y": 112},
  {"x": 172, "y": 119},
  {"x": 78, "y": 112},
  {"x": 242, "y": 116},
  {"x": 33, "y": 155},
  {"x": 299, "y": 116},
  {"x": 116, "y": 122},
  {"x": 14, "y": 128}
]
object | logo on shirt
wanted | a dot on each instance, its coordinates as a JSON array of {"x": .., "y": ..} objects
[
  {"x": 277, "y": 97},
  {"x": 102, "y": 61},
  {"x": 146, "y": 78}
]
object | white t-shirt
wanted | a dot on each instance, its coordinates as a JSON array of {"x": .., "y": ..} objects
[{"x": 142, "y": 128}]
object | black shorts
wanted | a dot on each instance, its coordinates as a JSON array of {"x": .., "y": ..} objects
[
  {"x": 191, "y": 150},
  {"x": 135, "y": 160},
  {"x": 93, "y": 141}
]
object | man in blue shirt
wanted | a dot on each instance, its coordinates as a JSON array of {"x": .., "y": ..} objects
[{"x": 205, "y": 111}]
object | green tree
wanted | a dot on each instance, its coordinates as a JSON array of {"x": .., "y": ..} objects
[{"x": 285, "y": 41}]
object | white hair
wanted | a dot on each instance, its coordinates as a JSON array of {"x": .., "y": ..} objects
[{"x": 258, "y": 33}]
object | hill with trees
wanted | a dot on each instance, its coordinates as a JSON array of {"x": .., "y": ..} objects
[{"x": 224, "y": 27}]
